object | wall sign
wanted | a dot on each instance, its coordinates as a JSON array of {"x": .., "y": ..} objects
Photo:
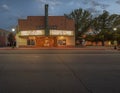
[
  {"x": 33, "y": 32},
  {"x": 61, "y": 32}
]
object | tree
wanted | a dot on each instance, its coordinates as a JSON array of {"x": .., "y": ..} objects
[
  {"x": 104, "y": 24},
  {"x": 101, "y": 25},
  {"x": 82, "y": 20},
  {"x": 11, "y": 39}
]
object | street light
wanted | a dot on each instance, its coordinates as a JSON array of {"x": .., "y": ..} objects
[
  {"x": 13, "y": 29},
  {"x": 115, "y": 33},
  {"x": 13, "y": 37},
  {"x": 115, "y": 41},
  {"x": 115, "y": 29}
]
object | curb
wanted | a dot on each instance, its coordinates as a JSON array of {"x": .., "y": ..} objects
[{"x": 84, "y": 48}]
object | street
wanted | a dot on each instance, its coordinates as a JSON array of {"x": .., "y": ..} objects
[{"x": 59, "y": 71}]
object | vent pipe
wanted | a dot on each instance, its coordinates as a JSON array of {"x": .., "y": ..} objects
[{"x": 46, "y": 20}]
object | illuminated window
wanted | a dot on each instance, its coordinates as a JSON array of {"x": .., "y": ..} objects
[
  {"x": 30, "y": 42},
  {"x": 61, "y": 42}
]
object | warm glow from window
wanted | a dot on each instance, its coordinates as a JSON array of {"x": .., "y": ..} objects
[
  {"x": 61, "y": 37},
  {"x": 33, "y": 32}
]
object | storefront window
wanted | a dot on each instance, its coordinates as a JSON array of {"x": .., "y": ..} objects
[
  {"x": 62, "y": 42},
  {"x": 30, "y": 42}
]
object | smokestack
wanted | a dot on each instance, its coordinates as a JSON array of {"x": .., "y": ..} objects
[{"x": 46, "y": 20}]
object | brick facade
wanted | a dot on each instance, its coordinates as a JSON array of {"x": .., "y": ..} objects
[{"x": 38, "y": 22}]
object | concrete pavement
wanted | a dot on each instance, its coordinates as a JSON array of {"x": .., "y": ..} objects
[{"x": 66, "y": 48}]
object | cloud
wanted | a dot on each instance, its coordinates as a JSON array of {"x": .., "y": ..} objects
[
  {"x": 4, "y": 8},
  {"x": 51, "y": 2},
  {"x": 85, "y": 2},
  {"x": 91, "y": 2},
  {"x": 118, "y": 1},
  {"x": 98, "y": 4},
  {"x": 93, "y": 10},
  {"x": 71, "y": 3},
  {"x": 104, "y": 6},
  {"x": 95, "y": 3}
]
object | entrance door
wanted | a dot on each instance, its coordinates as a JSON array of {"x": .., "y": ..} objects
[
  {"x": 39, "y": 41},
  {"x": 45, "y": 41},
  {"x": 61, "y": 42}
]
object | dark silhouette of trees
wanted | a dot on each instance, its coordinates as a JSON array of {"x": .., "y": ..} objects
[
  {"x": 11, "y": 39},
  {"x": 102, "y": 25},
  {"x": 82, "y": 20}
]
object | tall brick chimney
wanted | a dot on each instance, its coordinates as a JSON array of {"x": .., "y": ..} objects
[{"x": 46, "y": 20}]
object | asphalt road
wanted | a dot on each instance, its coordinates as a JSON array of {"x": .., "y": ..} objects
[
  {"x": 59, "y": 71},
  {"x": 59, "y": 51}
]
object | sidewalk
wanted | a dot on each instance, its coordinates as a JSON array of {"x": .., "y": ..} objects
[{"x": 79, "y": 48}]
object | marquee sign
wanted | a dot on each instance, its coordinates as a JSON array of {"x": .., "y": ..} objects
[
  {"x": 62, "y": 32},
  {"x": 42, "y": 32},
  {"x": 33, "y": 32}
]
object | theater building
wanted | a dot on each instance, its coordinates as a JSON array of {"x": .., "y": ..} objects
[{"x": 45, "y": 31}]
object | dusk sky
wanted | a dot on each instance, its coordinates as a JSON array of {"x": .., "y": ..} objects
[{"x": 12, "y": 10}]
